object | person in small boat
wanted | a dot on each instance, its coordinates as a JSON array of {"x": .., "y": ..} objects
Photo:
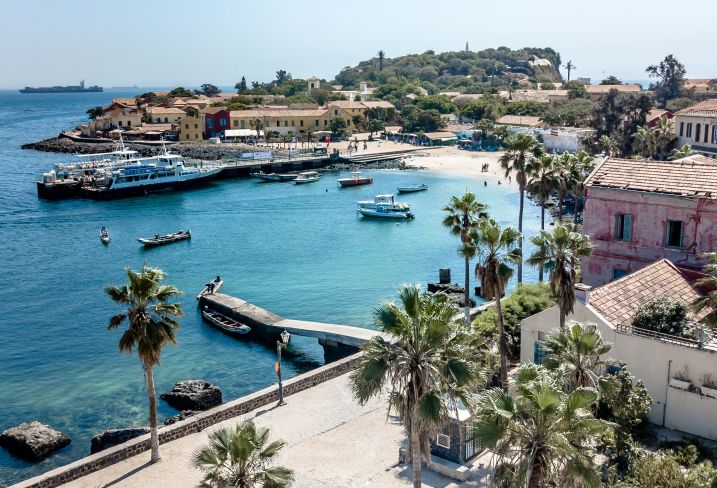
[
  {"x": 156, "y": 236},
  {"x": 217, "y": 279}
]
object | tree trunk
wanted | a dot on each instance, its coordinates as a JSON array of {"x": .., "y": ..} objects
[
  {"x": 467, "y": 295},
  {"x": 153, "y": 435},
  {"x": 416, "y": 458},
  {"x": 542, "y": 227},
  {"x": 502, "y": 342},
  {"x": 562, "y": 318},
  {"x": 520, "y": 229},
  {"x": 575, "y": 213}
]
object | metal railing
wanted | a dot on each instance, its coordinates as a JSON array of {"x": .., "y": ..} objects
[{"x": 705, "y": 337}]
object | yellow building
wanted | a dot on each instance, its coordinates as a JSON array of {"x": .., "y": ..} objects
[
  {"x": 191, "y": 129},
  {"x": 287, "y": 121}
]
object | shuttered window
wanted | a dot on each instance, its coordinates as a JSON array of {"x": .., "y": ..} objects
[{"x": 623, "y": 227}]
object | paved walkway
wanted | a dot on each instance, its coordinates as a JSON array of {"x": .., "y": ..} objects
[{"x": 332, "y": 442}]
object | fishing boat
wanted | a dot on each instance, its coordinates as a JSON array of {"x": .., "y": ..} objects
[
  {"x": 224, "y": 323},
  {"x": 384, "y": 207},
  {"x": 105, "y": 236},
  {"x": 275, "y": 176},
  {"x": 307, "y": 177},
  {"x": 211, "y": 287},
  {"x": 159, "y": 240},
  {"x": 356, "y": 179},
  {"x": 412, "y": 188}
]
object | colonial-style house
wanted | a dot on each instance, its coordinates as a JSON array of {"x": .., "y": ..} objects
[
  {"x": 216, "y": 121},
  {"x": 697, "y": 126}
]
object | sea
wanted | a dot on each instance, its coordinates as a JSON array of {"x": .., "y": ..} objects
[{"x": 298, "y": 250}]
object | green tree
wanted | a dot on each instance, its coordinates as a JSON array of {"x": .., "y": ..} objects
[
  {"x": 569, "y": 113},
  {"x": 708, "y": 301},
  {"x": 463, "y": 214},
  {"x": 180, "y": 92},
  {"x": 441, "y": 103},
  {"x": 258, "y": 126},
  {"x": 338, "y": 126},
  {"x": 683, "y": 152},
  {"x": 94, "y": 112},
  {"x": 542, "y": 435},
  {"x": 576, "y": 350},
  {"x": 241, "y": 86},
  {"x": 611, "y": 80},
  {"x": 582, "y": 165},
  {"x": 151, "y": 325},
  {"x": 565, "y": 175},
  {"x": 242, "y": 457},
  {"x": 381, "y": 57},
  {"x": 521, "y": 149},
  {"x": 569, "y": 66},
  {"x": 526, "y": 107},
  {"x": 210, "y": 90},
  {"x": 497, "y": 252},
  {"x": 488, "y": 107},
  {"x": 609, "y": 145},
  {"x": 417, "y": 120},
  {"x": 662, "y": 314},
  {"x": 576, "y": 90},
  {"x": 559, "y": 251},
  {"x": 426, "y": 364},
  {"x": 542, "y": 182},
  {"x": 645, "y": 142},
  {"x": 282, "y": 76},
  {"x": 670, "y": 75},
  {"x": 664, "y": 136}
]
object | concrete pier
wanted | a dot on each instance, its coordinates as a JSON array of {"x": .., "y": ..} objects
[{"x": 337, "y": 340}]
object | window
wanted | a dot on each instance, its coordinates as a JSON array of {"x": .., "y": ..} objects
[
  {"x": 119, "y": 122},
  {"x": 442, "y": 440},
  {"x": 196, "y": 136},
  {"x": 336, "y": 112},
  {"x": 317, "y": 122},
  {"x": 210, "y": 123},
  {"x": 196, "y": 126},
  {"x": 707, "y": 132},
  {"x": 186, "y": 136},
  {"x": 539, "y": 352},
  {"x": 326, "y": 122},
  {"x": 129, "y": 123},
  {"x": 293, "y": 123},
  {"x": 697, "y": 132},
  {"x": 674, "y": 233},
  {"x": 301, "y": 123},
  {"x": 186, "y": 126},
  {"x": 623, "y": 227},
  {"x": 166, "y": 120},
  {"x": 714, "y": 134},
  {"x": 618, "y": 273},
  {"x": 278, "y": 124},
  {"x": 242, "y": 125},
  {"x": 689, "y": 130},
  {"x": 682, "y": 129},
  {"x": 236, "y": 123},
  {"x": 286, "y": 123},
  {"x": 223, "y": 122}
]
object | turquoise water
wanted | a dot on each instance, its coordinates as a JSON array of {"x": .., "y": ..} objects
[{"x": 298, "y": 250}]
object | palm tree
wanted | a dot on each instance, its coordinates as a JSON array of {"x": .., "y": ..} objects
[
  {"x": 565, "y": 176},
  {"x": 664, "y": 136},
  {"x": 151, "y": 324},
  {"x": 463, "y": 214},
  {"x": 497, "y": 253},
  {"x": 645, "y": 142},
  {"x": 542, "y": 181},
  {"x": 576, "y": 350},
  {"x": 542, "y": 435},
  {"x": 242, "y": 457},
  {"x": 609, "y": 145},
  {"x": 583, "y": 164},
  {"x": 708, "y": 301},
  {"x": 560, "y": 252},
  {"x": 381, "y": 57},
  {"x": 683, "y": 152},
  {"x": 258, "y": 125},
  {"x": 427, "y": 365},
  {"x": 570, "y": 66},
  {"x": 521, "y": 149}
]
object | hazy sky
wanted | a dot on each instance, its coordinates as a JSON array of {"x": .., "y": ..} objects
[{"x": 159, "y": 43}]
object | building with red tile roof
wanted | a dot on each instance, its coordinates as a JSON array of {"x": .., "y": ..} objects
[{"x": 697, "y": 126}]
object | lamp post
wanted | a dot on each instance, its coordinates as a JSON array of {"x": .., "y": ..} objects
[{"x": 284, "y": 341}]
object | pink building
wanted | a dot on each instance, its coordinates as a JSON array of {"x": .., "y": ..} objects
[{"x": 637, "y": 212}]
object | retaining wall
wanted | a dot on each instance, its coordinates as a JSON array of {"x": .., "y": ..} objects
[{"x": 197, "y": 423}]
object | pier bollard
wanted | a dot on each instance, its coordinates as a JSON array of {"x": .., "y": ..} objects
[{"x": 444, "y": 276}]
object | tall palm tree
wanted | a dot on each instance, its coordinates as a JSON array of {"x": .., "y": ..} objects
[
  {"x": 664, "y": 136},
  {"x": 683, "y": 152},
  {"x": 542, "y": 181},
  {"x": 708, "y": 301},
  {"x": 381, "y": 57},
  {"x": 570, "y": 66},
  {"x": 582, "y": 166},
  {"x": 560, "y": 252},
  {"x": 242, "y": 457},
  {"x": 427, "y": 365},
  {"x": 576, "y": 350},
  {"x": 463, "y": 214},
  {"x": 542, "y": 434},
  {"x": 498, "y": 252},
  {"x": 258, "y": 125},
  {"x": 645, "y": 142},
  {"x": 609, "y": 145},
  {"x": 521, "y": 149},
  {"x": 565, "y": 175},
  {"x": 151, "y": 325}
]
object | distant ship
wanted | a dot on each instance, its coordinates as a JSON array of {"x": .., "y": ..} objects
[
  {"x": 125, "y": 87},
  {"x": 62, "y": 89}
]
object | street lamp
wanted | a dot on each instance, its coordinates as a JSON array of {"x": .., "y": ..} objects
[{"x": 283, "y": 342}]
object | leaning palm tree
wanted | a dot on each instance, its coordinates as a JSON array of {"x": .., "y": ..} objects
[
  {"x": 576, "y": 350},
  {"x": 583, "y": 164},
  {"x": 664, "y": 136},
  {"x": 151, "y": 325},
  {"x": 560, "y": 252},
  {"x": 683, "y": 152},
  {"x": 542, "y": 435},
  {"x": 645, "y": 142},
  {"x": 426, "y": 363},
  {"x": 521, "y": 149},
  {"x": 498, "y": 252},
  {"x": 463, "y": 215},
  {"x": 242, "y": 457},
  {"x": 708, "y": 301},
  {"x": 542, "y": 181},
  {"x": 609, "y": 145}
]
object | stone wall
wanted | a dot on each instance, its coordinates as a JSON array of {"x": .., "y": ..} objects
[{"x": 197, "y": 423}]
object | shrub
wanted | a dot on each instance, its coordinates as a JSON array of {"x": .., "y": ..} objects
[{"x": 662, "y": 314}]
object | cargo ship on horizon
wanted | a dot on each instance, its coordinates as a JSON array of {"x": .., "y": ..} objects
[{"x": 63, "y": 89}]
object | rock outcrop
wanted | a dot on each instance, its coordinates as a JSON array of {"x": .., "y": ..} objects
[
  {"x": 33, "y": 441},
  {"x": 180, "y": 416},
  {"x": 193, "y": 395},
  {"x": 454, "y": 293},
  {"x": 113, "y": 437}
]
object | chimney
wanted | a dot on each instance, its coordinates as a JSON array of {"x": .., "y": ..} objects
[{"x": 582, "y": 293}]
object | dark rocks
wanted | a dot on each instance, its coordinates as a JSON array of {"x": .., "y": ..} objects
[
  {"x": 455, "y": 293},
  {"x": 33, "y": 441},
  {"x": 193, "y": 395},
  {"x": 113, "y": 437},
  {"x": 184, "y": 414}
]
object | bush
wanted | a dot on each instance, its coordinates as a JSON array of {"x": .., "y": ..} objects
[
  {"x": 527, "y": 300},
  {"x": 662, "y": 314},
  {"x": 656, "y": 471}
]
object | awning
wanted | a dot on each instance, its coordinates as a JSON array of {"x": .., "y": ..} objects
[{"x": 242, "y": 133}]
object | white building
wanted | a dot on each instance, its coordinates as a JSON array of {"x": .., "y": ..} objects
[
  {"x": 564, "y": 139},
  {"x": 697, "y": 126}
]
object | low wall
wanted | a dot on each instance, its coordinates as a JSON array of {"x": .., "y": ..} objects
[{"x": 197, "y": 423}]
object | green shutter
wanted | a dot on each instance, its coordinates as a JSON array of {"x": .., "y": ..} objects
[{"x": 627, "y": 229}]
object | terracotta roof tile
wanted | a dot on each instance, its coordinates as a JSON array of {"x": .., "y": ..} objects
[
  {"x": 605, "y": 89},
  {"x": 706, "y": 108},
  {"x": 519, "y": 120}
]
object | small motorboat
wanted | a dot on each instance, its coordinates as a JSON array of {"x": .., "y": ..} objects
[
  {"x": 211, "y": 287},
  {"x": 412, "y": 188},
  {"x": 356, "y": 179},
  {"x": 159, "y": 240},
  {"x": 275, "y": 176},
  {"x": 384, "y": 207},
  {"x": 222, "y": 322},
  {"x": 105, "y": 236},
  {"x": 307, "y": 177}
]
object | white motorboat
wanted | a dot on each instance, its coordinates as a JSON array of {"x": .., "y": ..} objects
[
  {"x": 307, "y": 177},
  {"x": 384, "y": 207},
  {"x": 211, "y": 287},
  {"x": 412, "y": 188},
  {"x": 275, "y": 176},
  {"x": 105, "y": 236}
]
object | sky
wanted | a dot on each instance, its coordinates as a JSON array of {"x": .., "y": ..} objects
[{"x": 184, "y": 42}]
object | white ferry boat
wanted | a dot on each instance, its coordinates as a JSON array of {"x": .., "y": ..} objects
[{"x": 384, "y": 207}]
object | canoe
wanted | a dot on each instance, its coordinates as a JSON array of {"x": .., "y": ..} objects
[
  {"x": 412, "y": 188},
  {"x": 224, "y": 323},
  {"x": 211, "y": 287},
  {"x": 165, "y": 239},
  {"x": 276, "y": 176}
]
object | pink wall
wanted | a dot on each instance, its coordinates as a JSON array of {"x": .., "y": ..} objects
[{"x": 650, "y": 213}]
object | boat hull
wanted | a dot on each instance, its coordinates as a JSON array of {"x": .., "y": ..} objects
[
  {"x": 377, "y": 214},
  {"x": 153, "y": 242},
  {"x": 411, "y": 189},
  {"x": 355, "y": 182},
  {"x": 276, "y": 177},
  {"x": 205, "y": 291},
  {"x": 134, "y": 191},
  {"x": 225, "y": 324},
  {"x": 303, "y": 181},
  {"x": 58, "y": 190}
]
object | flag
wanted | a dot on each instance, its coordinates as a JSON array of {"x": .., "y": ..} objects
[{"x": 277, "y": 368}]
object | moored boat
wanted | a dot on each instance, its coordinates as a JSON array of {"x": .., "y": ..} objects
[
  {"x": 412, "y": 188},
  {"x": 384, "y": 207},
  {"x": 105, "y": 235},
  {"x": 356, "y": 179},
  {"x": 307, "y": 177},
  {"x": 275, "y": 176},
  {"x": 211, "y": 287},
  {"x": 224, "y": 323},
  {"x": 159, "y": 240}
]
